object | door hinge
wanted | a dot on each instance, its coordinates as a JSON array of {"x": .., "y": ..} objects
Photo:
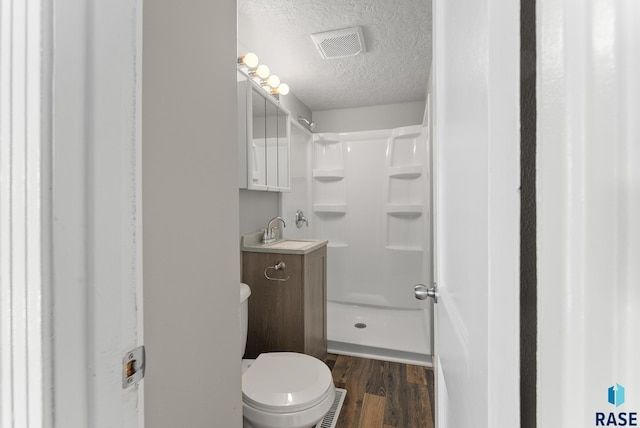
[{"x": 133, "y": 366}]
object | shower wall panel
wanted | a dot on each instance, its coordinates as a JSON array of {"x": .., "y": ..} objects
[
  {"x": 299, "y": 198},
  {"x": 370, "y": 193}
]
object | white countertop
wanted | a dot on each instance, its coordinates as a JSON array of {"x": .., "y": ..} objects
[{"x": 252, "y": 243}]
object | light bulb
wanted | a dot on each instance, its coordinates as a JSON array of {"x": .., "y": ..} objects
[
  {"x": 274, "y": 81},
  {"x": 262, "y": 71},
  {"x": 250, "y": 60},
  {"x": 283, "y": 89}
]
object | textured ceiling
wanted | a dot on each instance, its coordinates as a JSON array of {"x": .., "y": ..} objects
[{"x": 394, "y": 69}]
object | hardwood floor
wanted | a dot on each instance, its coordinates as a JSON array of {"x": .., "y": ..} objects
[{"x": 383, "y": 394}]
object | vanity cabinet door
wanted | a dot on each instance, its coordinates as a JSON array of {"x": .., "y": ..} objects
[
  {"x": 287, "y": 315},
  {"x": 315, "y": 303},
  {"x": 275, "y": 307}
]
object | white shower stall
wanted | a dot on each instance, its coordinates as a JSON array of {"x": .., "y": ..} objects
[{"x": 367, "y": 193}]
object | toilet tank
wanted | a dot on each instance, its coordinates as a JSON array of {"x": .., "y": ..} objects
[{"x": 245, "y": 292}]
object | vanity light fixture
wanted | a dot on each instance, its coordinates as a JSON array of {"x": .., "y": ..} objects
[
  {"x": 283, "y": 89},
  {"x": 250, "y": 60},
  {"x": 273, "y": 81},
  {"x": 248, "y": 65},
  {"x": 262, "y": 71}
]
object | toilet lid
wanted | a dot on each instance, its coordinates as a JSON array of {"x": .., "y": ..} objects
[{"x": 286, "y": 382}]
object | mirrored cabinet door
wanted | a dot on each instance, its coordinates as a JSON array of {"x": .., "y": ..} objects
[
  {"x": 263, "y": 140},
  {"x": 271, "y": 143},
  {"x": 258, "y": 148},
  {"x": 283, "y": 151}
]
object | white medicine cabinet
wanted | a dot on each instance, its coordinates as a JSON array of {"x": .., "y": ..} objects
[{"x": 263, "y": 139}]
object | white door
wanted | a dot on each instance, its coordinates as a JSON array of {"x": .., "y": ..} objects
[{"x": 476, "y": 212}]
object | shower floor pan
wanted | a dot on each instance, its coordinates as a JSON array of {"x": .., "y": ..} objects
[{"x": 397, "y": 335}]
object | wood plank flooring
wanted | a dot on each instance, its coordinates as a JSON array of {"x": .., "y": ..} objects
[{"x": 383, "y": 394}]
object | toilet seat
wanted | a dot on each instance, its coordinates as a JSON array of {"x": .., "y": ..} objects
[{"x": 286, "y": 382}]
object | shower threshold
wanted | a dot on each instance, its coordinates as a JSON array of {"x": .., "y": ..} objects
[{"x": 389, "y": 334}]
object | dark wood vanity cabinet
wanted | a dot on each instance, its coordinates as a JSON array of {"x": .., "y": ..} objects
[{"x": 291, "y": 314}]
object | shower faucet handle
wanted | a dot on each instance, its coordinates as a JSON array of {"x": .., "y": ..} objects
[{"x": 300, "y": 218}]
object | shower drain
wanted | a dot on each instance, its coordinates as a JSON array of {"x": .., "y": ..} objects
[{"x": 360, "y": 325}]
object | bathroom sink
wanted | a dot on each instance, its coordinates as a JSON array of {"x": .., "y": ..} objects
[
  {"x": 253, "y": 243},
  {"x": 292, "y": 245}
]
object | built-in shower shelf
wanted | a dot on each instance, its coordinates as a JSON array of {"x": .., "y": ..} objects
[
  {"x": 337, "y": 245},
  {"x": 403, "y": 210},
  {"x": 405, "y": 172},
  {"x": 328, "y": 174},
  {"x": 327, "y": 139},
  {"x": 330, "y": 208},
  {"x": 403, "y": 248},
  {"x": 407, "y": 132}
]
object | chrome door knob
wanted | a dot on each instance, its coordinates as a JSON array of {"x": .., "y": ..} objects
[{"x": 422, "y": 292}]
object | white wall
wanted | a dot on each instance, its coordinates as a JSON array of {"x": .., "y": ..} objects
[
  {"x": 369, "y": 118},
  {"x": 256, "y": 209},
  {"x": 588, "y": 209},
  {"x": 190, "y": 215},
  {"x": 299, "y": 198},
  {"x": 295, "y": 107}
]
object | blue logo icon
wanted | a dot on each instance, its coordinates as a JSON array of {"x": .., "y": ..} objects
[{"x": 616, "y": 395}]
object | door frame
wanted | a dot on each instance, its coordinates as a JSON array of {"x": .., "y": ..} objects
[
  {"x": 96, "y": 205},
  {"x": 70, "y": 193},
  {"x": 25, "y": 208}
]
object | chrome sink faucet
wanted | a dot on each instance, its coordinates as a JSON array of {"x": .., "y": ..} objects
[{"x": 268, "y": 234}]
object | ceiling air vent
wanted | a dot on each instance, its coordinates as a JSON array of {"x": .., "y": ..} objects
[{"x": 339, "y": 43}]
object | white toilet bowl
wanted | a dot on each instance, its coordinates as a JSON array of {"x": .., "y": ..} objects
[
  {"x": 286, "y": 390},
  {"x": 282, "y": 389}
]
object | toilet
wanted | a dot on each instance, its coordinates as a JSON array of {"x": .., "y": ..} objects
[{"x": 282, "y": 389}]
